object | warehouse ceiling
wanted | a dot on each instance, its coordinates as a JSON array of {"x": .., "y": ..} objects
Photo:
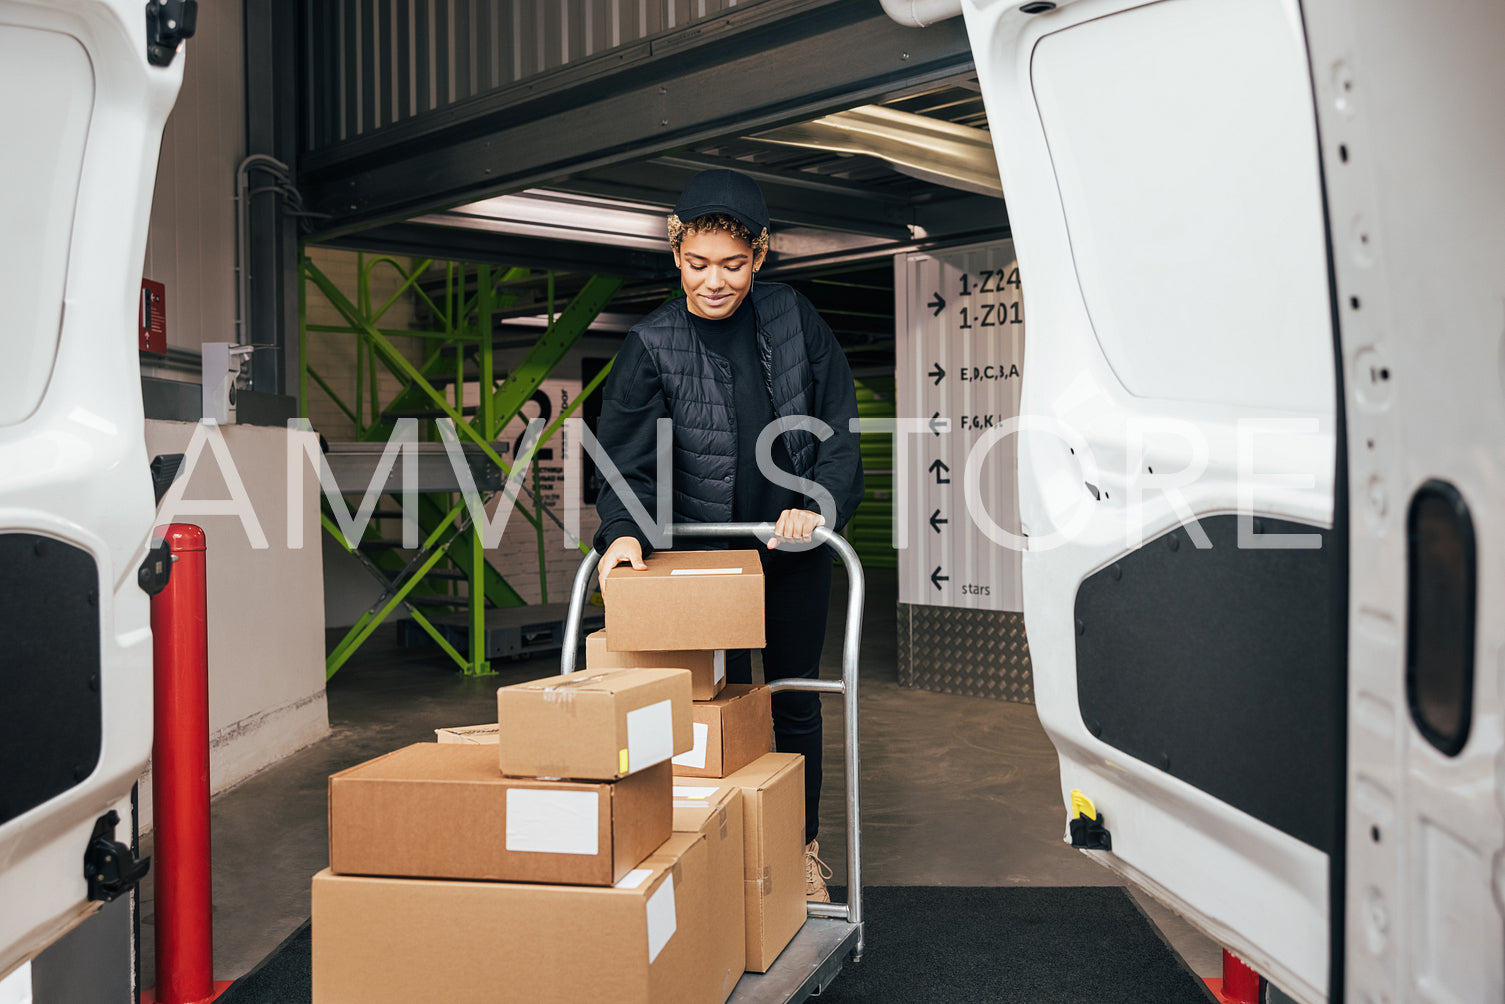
[
  {"x": 846, "y": 192},
  {"x": 550, "y": 137}
]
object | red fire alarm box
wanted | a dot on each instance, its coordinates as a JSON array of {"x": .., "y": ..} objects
[{"x": 152, "y": 322}]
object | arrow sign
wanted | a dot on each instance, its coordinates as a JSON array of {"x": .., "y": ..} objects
[
  {"x": 939, "y": 375},
  {"x": 936, "y": 521},
  {"x": 937, "y": 304},
  {"x": 938, "y": 424},
  {"x": 939, "y": 466},
  {"x": 936, "y": 578}
]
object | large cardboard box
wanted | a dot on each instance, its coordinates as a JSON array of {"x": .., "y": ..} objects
[
  {"x": 434, "y": 810},
  {"x": 707, "y": 669},
  {"x": 730, "y": 732},
  {"x": 773, "y": 812},
  {"x": 643, "y": 941},
  {"x": 716, "y": 813},
  {"x": 686, "y": 600},
  {"x": 473, "y": 735},
  {"x": 595, "y": 726}
]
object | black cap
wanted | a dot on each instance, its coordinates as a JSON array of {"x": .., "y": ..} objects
[{"x": 729, "y": 193}]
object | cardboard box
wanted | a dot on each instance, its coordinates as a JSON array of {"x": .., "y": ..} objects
[
  {"x": 707, "y": 668},
  {"x": 773, "y": 813},
  {"x": 473, "y": 735},
  {"x": 437, "y": 810},
  {"x": 715, "y": 812},
  {"x": 730, "y": 732},
  {"x": 643, "y": 941},
  {"x": 594, "y": 725},
  {"x": 686, "y": 600}
]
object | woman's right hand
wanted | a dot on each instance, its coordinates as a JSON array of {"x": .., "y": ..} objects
[{"x": 620, "y": 550}]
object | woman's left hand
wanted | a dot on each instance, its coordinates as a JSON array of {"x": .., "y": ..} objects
[{"x": 795, "y": 524}]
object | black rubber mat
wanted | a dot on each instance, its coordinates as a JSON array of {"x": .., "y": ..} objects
[
  {"x": 284, "y": 977},
  {"x": 943, "y": 944},
  {"x": 1029, "y": 945}
]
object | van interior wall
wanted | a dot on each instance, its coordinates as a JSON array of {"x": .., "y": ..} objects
[
  {"x": 265, "y": 619},
  {"x": 190, "y": 244}
]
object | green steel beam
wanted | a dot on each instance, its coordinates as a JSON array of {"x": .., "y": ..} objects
[
  {"x": 373, "y": 619},
  {"x": 390, "y": 355},
  {"x": 478, "y": 665},
  {"x": 409, "y": 281},
  {"x": 308, "y": 371},
  {"x": 497, "y": 590},
  {"x": 418, "y": 618},
  {"x": 439, "y": 638},
  {"x": 556, "y": 341}
]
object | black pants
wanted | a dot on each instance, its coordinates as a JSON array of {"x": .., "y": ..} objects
[{"x": 796, "y": 594}]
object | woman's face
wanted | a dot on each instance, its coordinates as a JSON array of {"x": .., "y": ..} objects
[{"x": 717, "y": 272}]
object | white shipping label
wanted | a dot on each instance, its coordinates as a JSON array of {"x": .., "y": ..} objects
[
  {"x": 705, "y": 571},
  {"x": 634, "y": 878},
  {"x": 718, "y": 665},
  {"x": 696, "y": 756},
  {"x": 661, "y": 920},
  {"x": 650, "y": 736},
  {"x": 684, "y": 792},
  {"x": 553, "y": 822}
]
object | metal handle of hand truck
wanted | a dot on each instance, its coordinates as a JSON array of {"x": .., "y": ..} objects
[{"x": 850, "y": 911}]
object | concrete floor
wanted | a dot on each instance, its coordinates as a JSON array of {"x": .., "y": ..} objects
[{"x": 956, "y": 790}]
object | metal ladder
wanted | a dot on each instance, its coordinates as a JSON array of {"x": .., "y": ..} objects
[{"x": 832, "y": 931}]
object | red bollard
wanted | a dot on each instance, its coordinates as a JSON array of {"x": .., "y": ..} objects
[
  {"x": 1239, "y": 985},
  {"x": 180, "y": 777}
]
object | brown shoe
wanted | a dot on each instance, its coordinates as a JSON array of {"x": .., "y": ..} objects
[{"x": 816, "y": 873}]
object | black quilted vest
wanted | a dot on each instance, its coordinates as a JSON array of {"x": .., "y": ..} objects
[{"x": 697, "y": 385}]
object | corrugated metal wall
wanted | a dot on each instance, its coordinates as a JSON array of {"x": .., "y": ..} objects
[{"x": 373, "y": 63}]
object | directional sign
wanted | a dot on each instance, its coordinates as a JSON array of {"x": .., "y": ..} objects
[{"x": 960, "y": 369}]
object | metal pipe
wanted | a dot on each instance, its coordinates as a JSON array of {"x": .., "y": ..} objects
[
  {"x": 847, "y": 687},
  {"x": 836, "y": 911},
  {"x": 243, "y": 235},
  {"x": 794, "y": 683},
  {"x": 919, "y": 13},
  {"x": 577, "y": 605}
]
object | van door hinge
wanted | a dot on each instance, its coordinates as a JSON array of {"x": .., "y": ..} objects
[
  {"x": 109, "y": 867},
  {"x": 168, "y": 22}
]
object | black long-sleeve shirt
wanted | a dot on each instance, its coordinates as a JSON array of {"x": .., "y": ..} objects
[{"x": 633, "y": 401}]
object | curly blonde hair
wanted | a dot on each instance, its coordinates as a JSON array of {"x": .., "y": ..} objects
[{"x": 712, "y": 222}]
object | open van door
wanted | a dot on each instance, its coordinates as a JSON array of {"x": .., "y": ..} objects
[
  {"x": 1203, "y": 233},
  {"x": 1410, "y": 101},
  {"x": 1184, "y": 582},
  {"x": 82, "y": 123}
]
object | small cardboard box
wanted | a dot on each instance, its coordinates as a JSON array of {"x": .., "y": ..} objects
[
  {"x": 642, "y": 941},
  {"x": 436, "y": 810},
  {"x": 686, "y": 600},
  {"x": 473, "y": 735},
  {"x": 716, "y": 813},
  {"x": 730, "y": 732},
  {"x": 707, "y": 669},
  {"x": 594, "y": 725},
  {"x": 773, "y": 814}
]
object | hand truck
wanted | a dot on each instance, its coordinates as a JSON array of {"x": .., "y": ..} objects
[{"x": 832, "y": 931}]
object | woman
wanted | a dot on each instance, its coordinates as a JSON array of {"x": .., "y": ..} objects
[{"x": 729, "y": 360}]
